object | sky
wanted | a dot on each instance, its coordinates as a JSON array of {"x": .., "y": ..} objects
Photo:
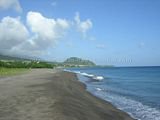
[{"x": 108, "y": 32}]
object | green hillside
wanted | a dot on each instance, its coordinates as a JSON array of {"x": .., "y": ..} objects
[{"x": 78, "y": 62}]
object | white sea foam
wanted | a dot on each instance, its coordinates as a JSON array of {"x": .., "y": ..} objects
[
  {"x": 98, "y": 77},
  {"x": 99, "y": 89},
  {"x": 77, "y": 72},
  {"x": 87, "y": 75},
  {"x": 67, "y": 70},
  {"x": 90, "y": 75},
  {"x": 134, "y": 108}
]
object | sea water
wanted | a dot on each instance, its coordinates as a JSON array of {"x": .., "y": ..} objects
[{"x": 135, "y": 90}]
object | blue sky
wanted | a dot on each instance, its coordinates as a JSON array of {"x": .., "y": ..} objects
[{"x": 118, "y": 32}]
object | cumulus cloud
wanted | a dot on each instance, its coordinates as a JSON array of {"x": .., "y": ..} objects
[
  {"x": 37, "y": 35},
  {"x": 44, "y": 33},
  {"x": 10, "y": 4},
  {"x": 13, "y": 33},
  {"x": 82, "y": 26}
]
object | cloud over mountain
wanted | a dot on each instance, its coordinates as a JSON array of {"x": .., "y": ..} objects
[
  {"x": 37, "y": 35},
  {"x": 42, "y": 34}
]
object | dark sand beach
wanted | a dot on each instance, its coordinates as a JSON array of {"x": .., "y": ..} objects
[{"x": 46, "y": 94}]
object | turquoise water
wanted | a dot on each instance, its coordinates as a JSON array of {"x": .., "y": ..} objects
[{"x": 135, "y": 90}]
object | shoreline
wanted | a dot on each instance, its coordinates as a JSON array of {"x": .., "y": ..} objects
[
  {"x": 90, "y": 76},
  {"x": 47, "y": 94},
  {"x": 126, "y": 115}
]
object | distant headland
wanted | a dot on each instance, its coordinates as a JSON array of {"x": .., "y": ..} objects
[{"x": 25, "y": 62}]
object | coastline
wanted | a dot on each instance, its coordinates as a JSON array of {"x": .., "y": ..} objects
[
  {"x": 46, "y": 94},
  {"x": 109, "y": 111}
]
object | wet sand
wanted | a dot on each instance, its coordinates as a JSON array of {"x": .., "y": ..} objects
[{"x": 45, "y": 94}]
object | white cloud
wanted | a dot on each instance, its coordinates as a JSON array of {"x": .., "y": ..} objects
[
  {"x": 63, "y": 23},
  {"x": 10, "y": 4},
  {"x": 38, "y": 34},
  {"x": 12, "y": 33},
  {"x": 82, "y": 26},
  {"x": 44, "y": 33}
]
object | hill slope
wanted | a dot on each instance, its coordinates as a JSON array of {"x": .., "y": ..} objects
[{"x": 78, "y": 61}]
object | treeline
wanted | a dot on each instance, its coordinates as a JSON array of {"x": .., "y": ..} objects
[{"x": 25, "y": 64}]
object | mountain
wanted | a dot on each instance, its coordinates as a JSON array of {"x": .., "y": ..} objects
[
  {"x": 78, "y": 62},
  {"x": 70, "y": 62}
]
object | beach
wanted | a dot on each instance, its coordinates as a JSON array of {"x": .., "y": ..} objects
[{"x": 47, "y": 94}]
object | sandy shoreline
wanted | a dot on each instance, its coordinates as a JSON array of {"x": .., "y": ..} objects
[{"x": 44, "y": 94}]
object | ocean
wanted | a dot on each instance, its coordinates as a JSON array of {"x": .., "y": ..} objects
[{"x": 135, "y": 90}]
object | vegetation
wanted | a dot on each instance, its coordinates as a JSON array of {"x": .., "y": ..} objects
[
  {"x": 11, "y": 71},
  {"x": 25, "y": 64},
  {"x": 74, "y": 61},
  {"x": 12, "y": 65},
  {"x": 16, "y": 62}
]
